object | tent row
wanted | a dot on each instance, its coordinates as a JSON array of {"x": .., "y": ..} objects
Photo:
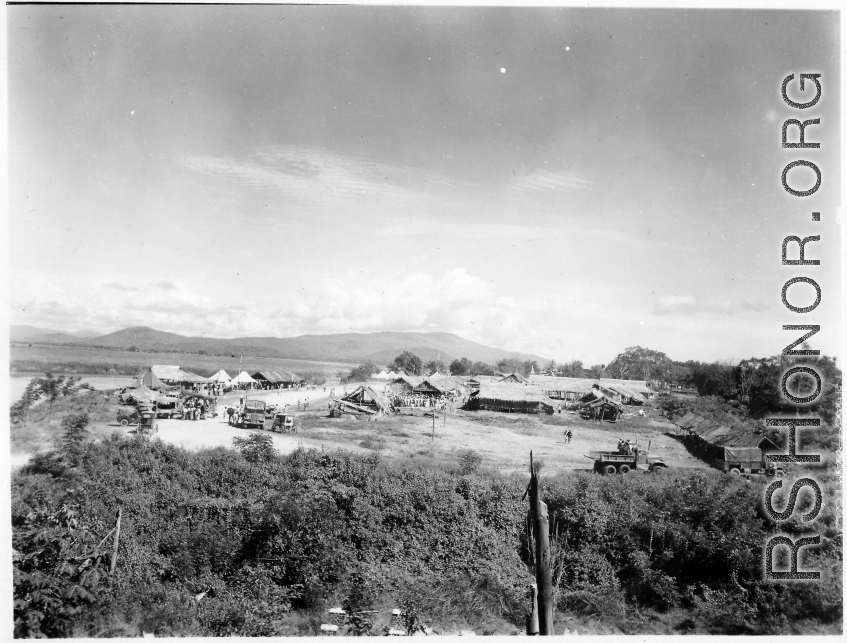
[
  {"x": 384, "y": 376},
  {"x": 163, "y": 375}
]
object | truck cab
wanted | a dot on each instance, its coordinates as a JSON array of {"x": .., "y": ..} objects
[{"x": 253, "y": 414}]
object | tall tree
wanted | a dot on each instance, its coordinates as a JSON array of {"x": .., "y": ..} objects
[
  {"x": 573, "y": 368},
  {"x": 408, "y": 362},
  {"x": 435, "y": 366},
  {"x": 639, "y": 363},
  {"x": 596, "y": 372},
  {"x": 482, "y": 368},
  {"x": 460, "y": 366}
]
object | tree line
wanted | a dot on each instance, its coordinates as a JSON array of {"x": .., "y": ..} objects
[{"x": 411, "y": 364}]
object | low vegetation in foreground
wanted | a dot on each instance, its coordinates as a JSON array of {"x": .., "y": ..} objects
[{"x": 247, "y": 542}]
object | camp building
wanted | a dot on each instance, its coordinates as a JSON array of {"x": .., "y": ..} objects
[
  {"x": 571, "y": 389},
  {"x": 363, "y": 401},
  {"x": 403, "y": 384},
  {"x": 510, "y": 398}
]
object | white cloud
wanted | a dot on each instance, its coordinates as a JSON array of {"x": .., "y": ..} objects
[
  {"x": 565, "y": 320},
  {"x": 453, "y": 301},
  {"x": 319, "y": 179},
  {"x": 545, "y": 180},
  {"x": 686, "y": 305}
]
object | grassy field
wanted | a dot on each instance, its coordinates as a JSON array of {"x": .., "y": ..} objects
[{"x": 76, "y": 359}]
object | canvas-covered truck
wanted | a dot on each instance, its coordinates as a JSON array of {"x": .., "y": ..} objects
[
  {"x": 738, "y": 460},
  {"x": 252, "y": 414},
  {"x": 168, "y": 407},
  {"x": 611, "y": 463}
]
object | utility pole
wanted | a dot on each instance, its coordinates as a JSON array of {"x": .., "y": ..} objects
[
  {"x": 532, "y": 617},
  {"x": 543, "y": 573},
  {"x": 115, "y": 547}
]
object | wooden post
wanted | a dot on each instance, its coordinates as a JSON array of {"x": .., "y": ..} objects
[
  {"x": 117, "y": 536},
  {"x": 532, "y": 617},
  {"x": 543, "y": 573}
]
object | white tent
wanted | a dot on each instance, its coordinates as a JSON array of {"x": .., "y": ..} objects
[
  {"x": 244, "y": 379},
  {"x": 221, "y": 377},
  {"x": 382, "y": 375},
  {"x": 392, "y": 375}
]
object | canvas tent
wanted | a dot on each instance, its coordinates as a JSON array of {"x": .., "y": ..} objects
[
  {"x": 267, "y": 379},
  {"x": 221, "y": 377},
  {"x": 243, "y": 380},
  {"x": 150, "y": 380},
  {"x": 194, "y": 378},
  {"x": 138, "y": 394},
  {"x": 170, "y": 374}
]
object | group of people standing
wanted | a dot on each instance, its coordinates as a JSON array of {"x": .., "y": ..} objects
[
  {"x": 196, "y": 408},
  {"x": 625, "y": 448}
]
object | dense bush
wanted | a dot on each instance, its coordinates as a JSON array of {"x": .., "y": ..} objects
[{"x": 221, "y": 542}]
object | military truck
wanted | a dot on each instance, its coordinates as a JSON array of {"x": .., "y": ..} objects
[
  {"x": 610, "y": 463},
  {"x": 168, "y": 407},
  {"x": 127, "y": 415},
  {"x": 252, "y": 414},
  {"x": 746, "y": 461}
]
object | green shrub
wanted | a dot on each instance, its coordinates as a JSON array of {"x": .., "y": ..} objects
[
  {"x": 222, "y": 543},
  {"x": 469, "y": 461}
]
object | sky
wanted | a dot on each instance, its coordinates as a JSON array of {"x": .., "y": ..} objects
[{"x": 562, "y": 181}]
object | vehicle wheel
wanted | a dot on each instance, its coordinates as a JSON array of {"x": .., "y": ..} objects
[
  {"x": 624, "y": 469},
  {"x": 609, "y": 470},
  {"x": 124, "y": 422},
  {"x": 734, "y": 472},
  {"x": 657, "y": 468}
]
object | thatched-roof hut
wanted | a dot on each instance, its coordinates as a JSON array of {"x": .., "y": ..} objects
[
  {"x": 511, "y": 398},
  {"x": 367, "y": 397},
  {"x": 403, "y": 384}
]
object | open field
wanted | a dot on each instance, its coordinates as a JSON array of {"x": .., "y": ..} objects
[
  {"x": 77, "y": 359},
  {"x": 503, "y": 441}
]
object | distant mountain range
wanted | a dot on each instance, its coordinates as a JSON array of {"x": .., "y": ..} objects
[
  {"x": 46, "y": 335},
  {"x": 380, "y": 348}
]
